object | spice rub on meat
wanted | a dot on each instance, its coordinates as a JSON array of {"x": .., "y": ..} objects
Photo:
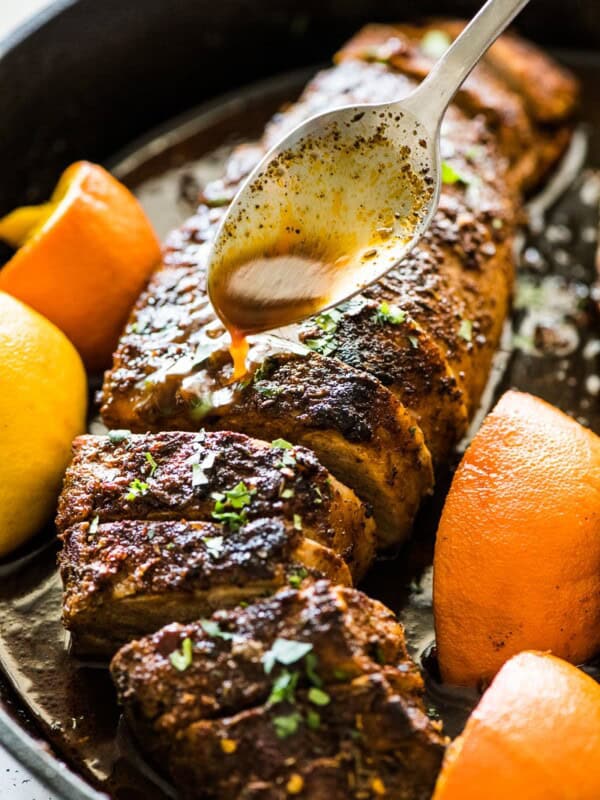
[
  {"x": 309, "y": 693},
  {"x": 380, "y": 384},
  {"x": 171, "y": 526}
]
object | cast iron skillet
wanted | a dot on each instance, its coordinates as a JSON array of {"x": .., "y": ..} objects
[{"x": 86, "y": 78}]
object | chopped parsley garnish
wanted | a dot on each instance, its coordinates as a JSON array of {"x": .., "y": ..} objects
[
  {"x": 414, "y": 342},
  {"x": 200, "y": 407},
  {"x": 137, "y": 488},
  {"x": 287, "y": 493},
  {"x": 319, "y": 498},
  {"x": 324, "y": 345},
  {"x": 281, "y": 444},
  {"x": 328, "y": 321},
  {"x": 435, "y": 43},
  {"x": 151, "y": 533},
  {"x": 237, "y": 499},
  {"x": 214, "y": 545},
  {"x": 466, "y": 330},
  {"x": 268, "y": 389},
  {"x": 340, "y": 674},
  {"x": 284, "y": 687},
  {"x": 390, "y": 313},
  {"x": 94, "y": 525},
  {"x": 296, "y": 578},
  {"x": 287, "y": 725},
  {"x": 318, "y": 697},
  {"x": 313, "y": 719},
  {"x": 310, "y": 665},
  {"x": 116, "y": 437},
  {"x": 152, "y": 462},
  {"x": 240, "y": 496},
  {"x": 181, "y": 659},
  {"x": 451, "y": 175},
  {"x": 297, "y": 522},
  {"x": 213, "y": 630},
  {"x": 286, "y": 652},
  {"x": 199, "y": 477}
]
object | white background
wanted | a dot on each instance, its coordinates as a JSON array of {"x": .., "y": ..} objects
[
  {"x": 12, "y": 12},
  {"x": 15, "y": 783}
]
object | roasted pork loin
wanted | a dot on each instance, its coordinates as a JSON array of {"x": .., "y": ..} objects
[
  {"x": 381, "y": 384},
  {"x": 171, "y": 526},
  {"x": 308, "y": 693}
]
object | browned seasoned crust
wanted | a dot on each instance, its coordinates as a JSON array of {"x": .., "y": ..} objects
[
  {"x": 217, "y": 727},
  {"x": 180, "y": 472},
  {"x": 127, "y": 578}
]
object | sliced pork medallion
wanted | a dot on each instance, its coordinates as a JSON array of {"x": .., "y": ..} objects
[
  {"x": 166, "y": 527},
  {"x": 124, "y": 579},
  {"x": 223, "y": 477},
  {"x": 308, "y": 693}
]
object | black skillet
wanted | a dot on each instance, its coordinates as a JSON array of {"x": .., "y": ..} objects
[{"x": 86, "y": 79}]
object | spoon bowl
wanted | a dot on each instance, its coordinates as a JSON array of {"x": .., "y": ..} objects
[
  {"x": 327, "y": 212},
  {"x": 340, "y": 200}
]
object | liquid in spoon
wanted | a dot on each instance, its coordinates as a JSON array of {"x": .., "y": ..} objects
[{"x": 324, "y": 220}]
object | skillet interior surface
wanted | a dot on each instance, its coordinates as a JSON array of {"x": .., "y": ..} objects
[{"x": 552, "y": 349}]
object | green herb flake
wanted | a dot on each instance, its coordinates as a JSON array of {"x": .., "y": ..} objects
[
  {"x": 93, "y": 529},
  {"x": 287, "y": 493},
  {"x": 182, "y": 659},
  {"x": 310, "y": 665},
  {"x": 213, "y": 630},
  {"x": 414, "y": 342},
  {"x": 268, "y": 389},
  {"x": 199, "y": 468},
  {"x": 287, "y": 460},
  {"x": 284, "y": 687},
  {"x": 201, "y": 407},
  {"x": 319, "y": 497},
  {"x": 281, "y": 444},
  {"x": 137, "y": 488},
  {"x": 313, "y": 719},
  {"x": 153, "y": 465},
  {"x": 297, "y": 522},
  {"x": 286, "y": 652},
  {"x": 466, "y": 330},
  {"x": 287, "y": 725},
  {"x": 170, "y": 546},
  {"x": 296, "y": 578},
  {"x": 214, "y": 545},
  {"x": 328, "y": 321},
  {"x": 151, "y": 533},
  {"x": 390, "y": 314},
  {"x": 318, "y": 697},
  {"x": 451, "y": 175},
  {"x": 435, "y": 43},
  {"x": 324, "y": 345},
  {"x": 340, "y": 674},
  {"x": 116, "y": 437},
  {"x": 237, "y": 499}
]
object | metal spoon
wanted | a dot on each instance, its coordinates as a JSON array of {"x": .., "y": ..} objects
[{"x": 341, "y": 199}]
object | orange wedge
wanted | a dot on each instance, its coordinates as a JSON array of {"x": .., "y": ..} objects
[
  {"x": 535, "y": 735},
  {"x": 82, "y": 258},
  {"x": 517, "y": 557}
]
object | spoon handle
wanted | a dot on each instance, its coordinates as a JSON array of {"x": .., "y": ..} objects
[{"x": 437, "y": 90}]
